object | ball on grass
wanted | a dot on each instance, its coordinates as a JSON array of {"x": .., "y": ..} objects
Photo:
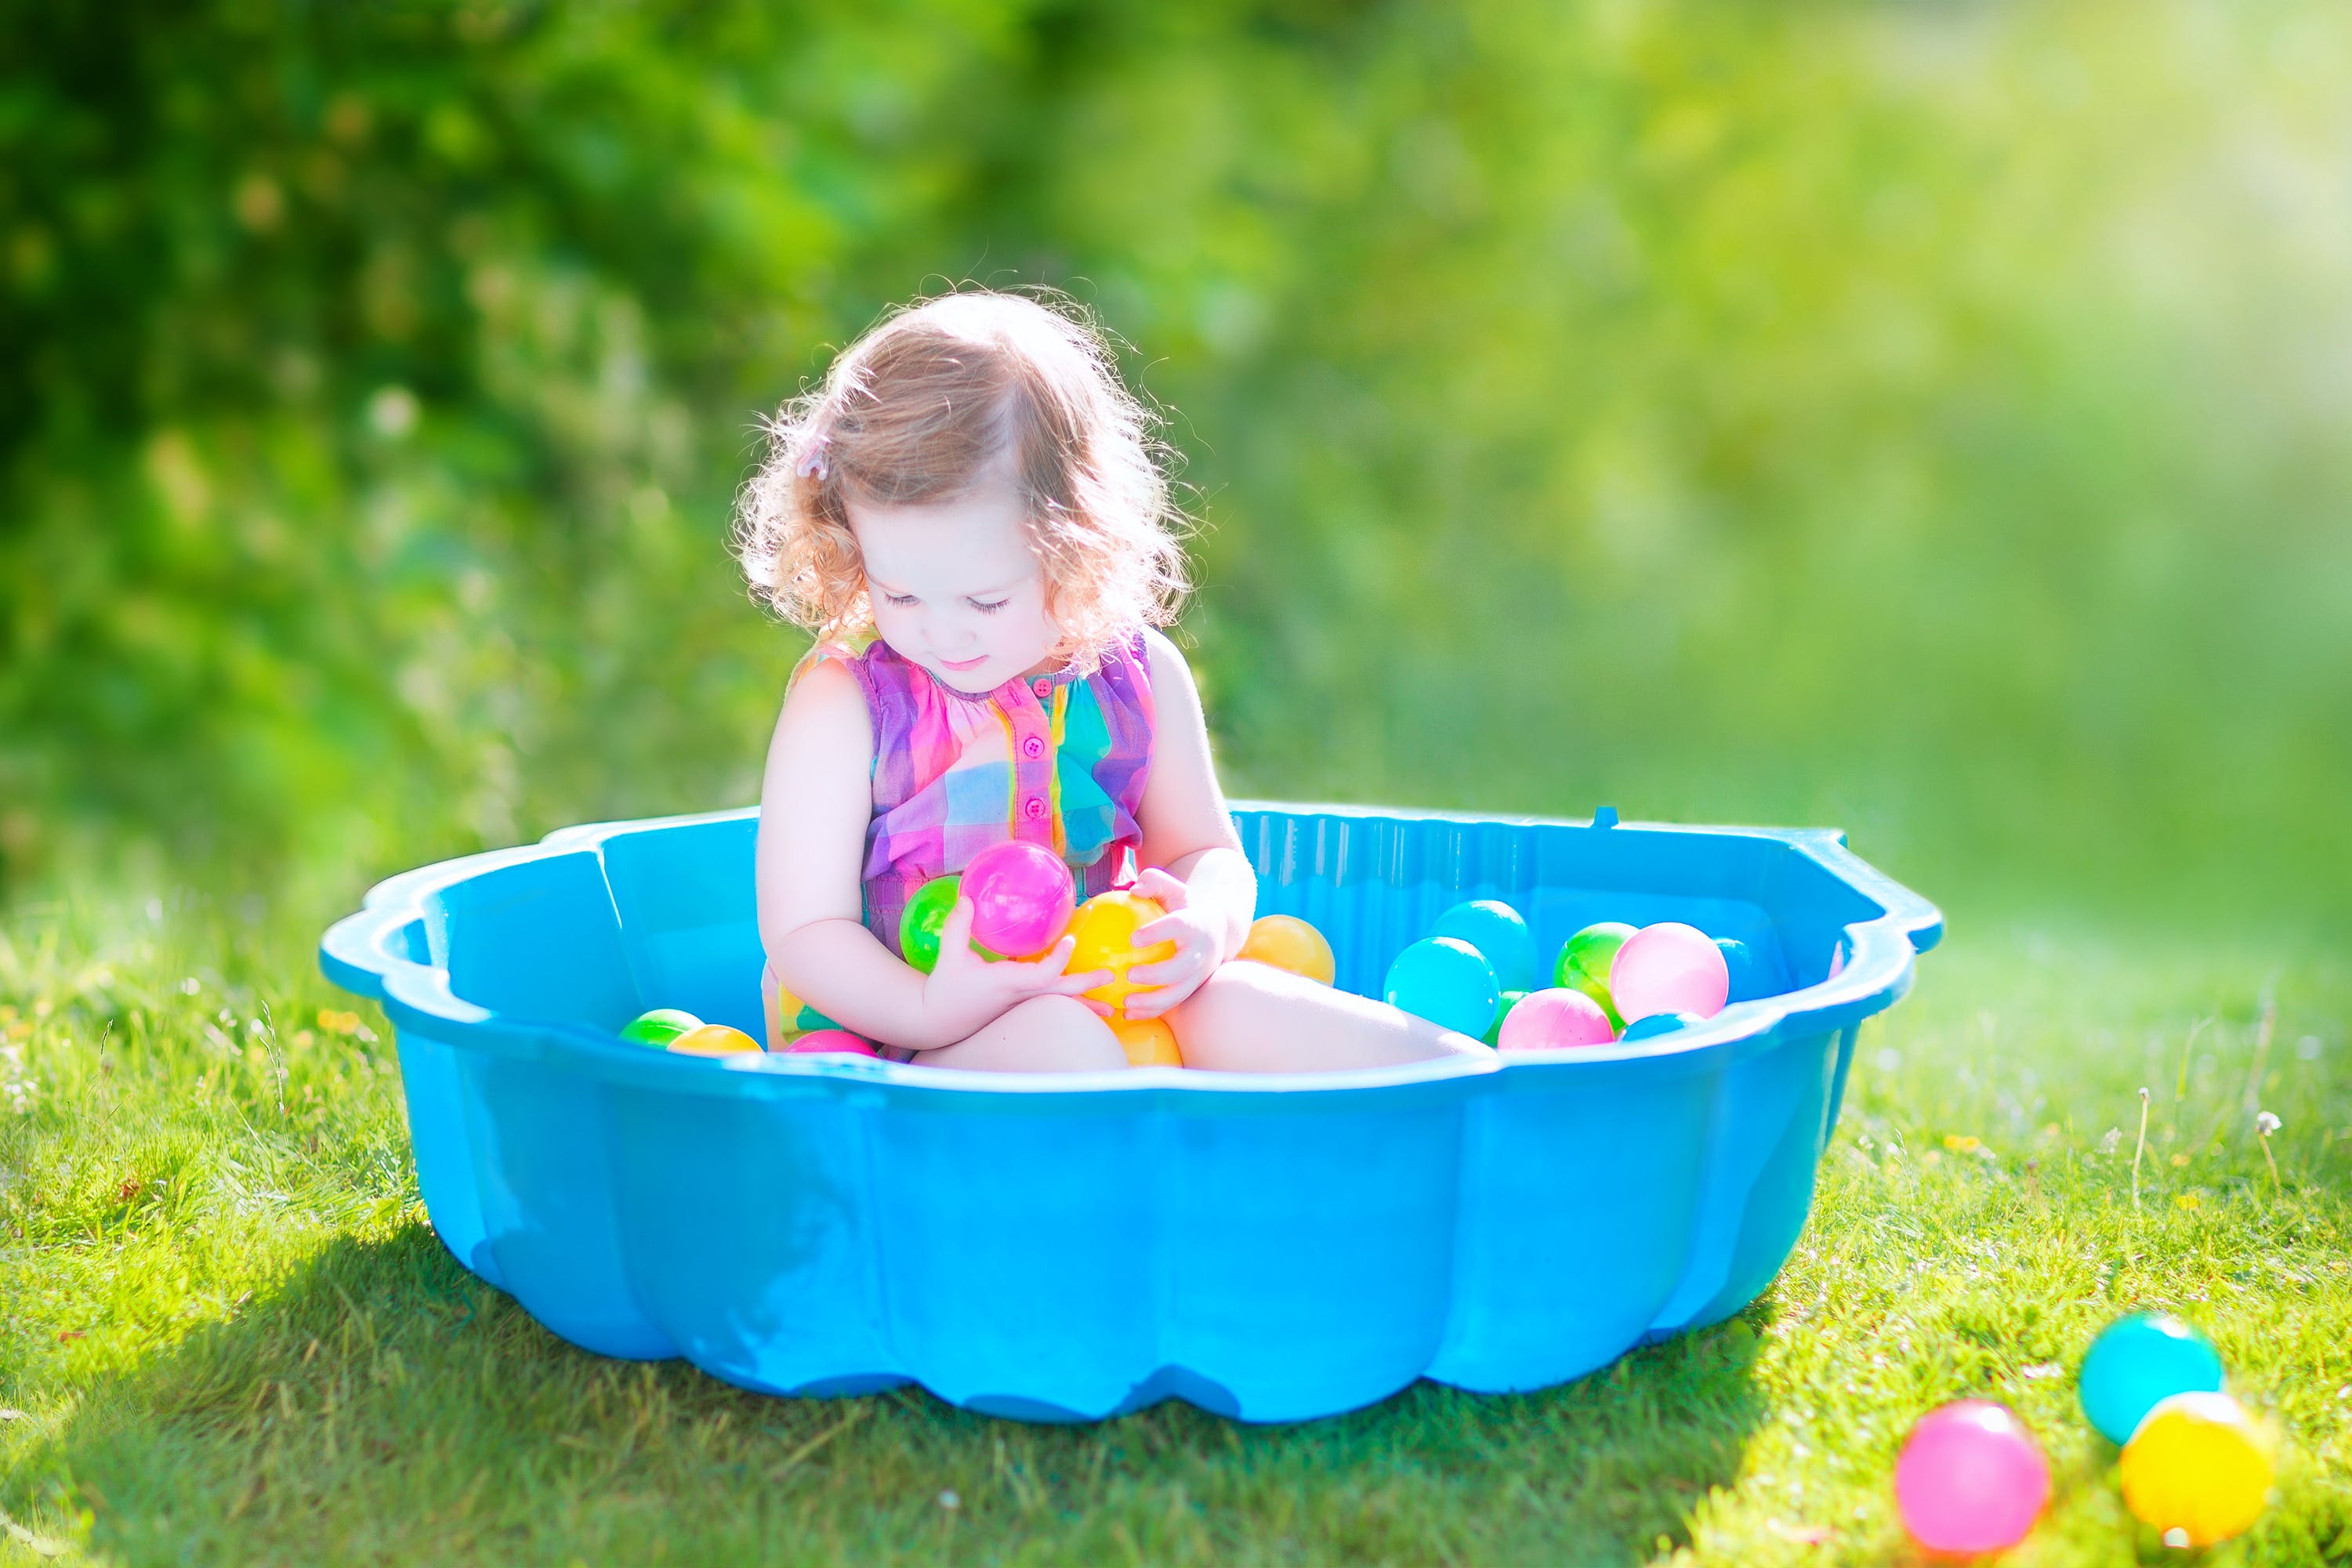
[
  {"x": 2199, "y": 1470},
  {"x": 1969, "y": 1479},
  {"x": 2138, "y": 1361}
]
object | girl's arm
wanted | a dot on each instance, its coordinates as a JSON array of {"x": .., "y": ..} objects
[
  {"x": 1197, "y": 869},
  {"x": 814, "y": 804}
]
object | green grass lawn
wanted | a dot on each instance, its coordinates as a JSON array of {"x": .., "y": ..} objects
[{"x": 226, "y": 1333}]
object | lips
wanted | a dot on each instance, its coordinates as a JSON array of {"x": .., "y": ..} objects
[{"x": 960, "y": 664}]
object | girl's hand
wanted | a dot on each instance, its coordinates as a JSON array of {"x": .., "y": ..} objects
[
  {"x": 1200, "y": 938},
  {"x": 967, "y": 992}
]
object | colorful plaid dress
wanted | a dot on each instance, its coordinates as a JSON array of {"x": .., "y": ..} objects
[{"x": 1060, "y": 760}]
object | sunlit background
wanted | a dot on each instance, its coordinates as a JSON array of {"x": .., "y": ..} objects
[{"x": 1928, "y": 417}]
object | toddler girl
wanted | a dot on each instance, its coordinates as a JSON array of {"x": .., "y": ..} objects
[{"x": 969, "y": 514}]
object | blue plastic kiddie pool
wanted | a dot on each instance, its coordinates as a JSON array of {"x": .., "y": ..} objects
[{"x": 1069, "y": 1245}]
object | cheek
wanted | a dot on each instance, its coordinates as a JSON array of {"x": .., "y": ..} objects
[
  {"x": 1032, "y": 631},
  {"x": 892, "y": 622}
]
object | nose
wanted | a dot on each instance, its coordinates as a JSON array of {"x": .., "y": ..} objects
[{"x": 954, "y": 637}]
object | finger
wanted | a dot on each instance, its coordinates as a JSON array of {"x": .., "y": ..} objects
[
  {"x": 1072, "y": 985},
  {"x": 1170, "y": 927},
  {"x": 1101, "y": 1010},
  {"x": 1158, "y": 1000},
  {"x": 1168, "y": 971},
  {"x": 955, "y": 933},
  {"x": 1053, "y": 961},
  {"x": 1163, "y": 888},
  {"x": 1057, "y": 958}
]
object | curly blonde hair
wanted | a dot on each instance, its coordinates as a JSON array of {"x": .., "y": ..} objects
[{"x": 919, "y": 410}]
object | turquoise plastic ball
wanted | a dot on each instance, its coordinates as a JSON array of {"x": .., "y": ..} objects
[
  {"x": 1656, "y": 1024},
  {"x": 1747, "y": 981},
  {"x": 2136, "y": 1361},
  {"x": 1501, "y": 938},
  {"x": 1446, "y": 981}
]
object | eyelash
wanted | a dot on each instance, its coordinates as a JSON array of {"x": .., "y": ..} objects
[{"x": 908, "y": 599}]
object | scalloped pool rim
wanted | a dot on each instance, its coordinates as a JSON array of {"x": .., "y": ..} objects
[{"x": 1878, "y": 973}]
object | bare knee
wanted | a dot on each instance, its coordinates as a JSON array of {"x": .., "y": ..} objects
[
  {"x": 1232, "y": 987},
  {"x": 1067, "y": 1031},
  {"x": 1250, "y": 1017}
]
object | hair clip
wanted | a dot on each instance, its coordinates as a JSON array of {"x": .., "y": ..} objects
[{"x": 813, "y": 464}]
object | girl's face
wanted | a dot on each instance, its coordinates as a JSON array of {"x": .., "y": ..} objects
[{"x": 955, "y": 587}]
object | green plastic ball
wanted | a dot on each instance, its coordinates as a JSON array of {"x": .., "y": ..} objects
[
  {"x": 1503, "y": 1011},
  {"x": 927, "y": 911},
  {"x": 659, "y": 1027},
  {"x": 1584, "y": 960}
]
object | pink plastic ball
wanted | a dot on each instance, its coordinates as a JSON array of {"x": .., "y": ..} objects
[
  {"x": 1022, "y": 896},
  {"x": 830, "y": 1042},
  {"x": 1969, "y": 1479},
  {"x": 1669, "y": 968},
  {"x": 1555, "y": 1020}
]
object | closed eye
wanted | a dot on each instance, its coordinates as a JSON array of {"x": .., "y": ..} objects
[
  {"x": 990, "y": 609},
  {"x": 902, "y": 599}
]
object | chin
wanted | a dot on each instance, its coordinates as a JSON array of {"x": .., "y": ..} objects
[{"x": 972, "y": 682}]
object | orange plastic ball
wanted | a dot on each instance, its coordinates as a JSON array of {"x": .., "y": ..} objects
[
  {"x": 1148, "y": 1042},
  {"x": 1287, "y": 942},
  {"x": 1104, "y": 929},
  {"x": 713, "y": 1039}
]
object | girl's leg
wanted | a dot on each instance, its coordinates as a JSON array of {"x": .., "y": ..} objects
[
  {"x": 1044, "y": 1034},
  {"x": 1252, "y": 1017}
]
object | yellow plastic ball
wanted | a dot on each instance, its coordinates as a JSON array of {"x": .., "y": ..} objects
[
  {"x": 1105, "y": 931},
  {"x": 713, "y": 1039},
  {"x": 783, "y": 1013},
  {"x": 2198, "y": 1464},
  {"x": 1287, "y": 942},
  {"x": 1148, "y": 1042}
]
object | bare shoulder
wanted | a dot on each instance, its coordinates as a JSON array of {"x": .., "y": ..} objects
[
  {"x": 1170, "y": 671},
  {"x": 824, "y": 713}
]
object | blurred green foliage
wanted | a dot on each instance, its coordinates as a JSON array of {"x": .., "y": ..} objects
[{"x": 1925, "y": 416}]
